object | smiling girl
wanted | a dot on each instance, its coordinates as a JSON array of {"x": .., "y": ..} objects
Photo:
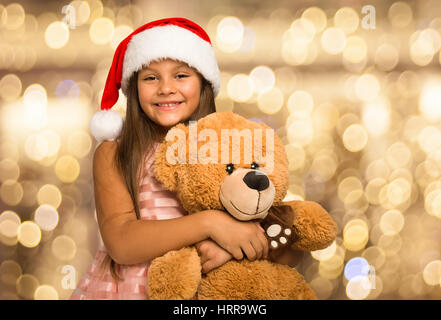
[{"x": 168, "y": 71}]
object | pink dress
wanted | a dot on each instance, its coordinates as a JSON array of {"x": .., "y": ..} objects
[{"x": 156, "y": 203}]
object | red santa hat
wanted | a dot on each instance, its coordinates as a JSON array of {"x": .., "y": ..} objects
[{"x": 175, "y": 38}]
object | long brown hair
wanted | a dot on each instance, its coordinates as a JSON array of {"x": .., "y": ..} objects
[{"x": 136, "y": 141}]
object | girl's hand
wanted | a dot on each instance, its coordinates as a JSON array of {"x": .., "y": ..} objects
[
  {"x": 212, "y": 256},
  {"x": 237, "y": 237}
]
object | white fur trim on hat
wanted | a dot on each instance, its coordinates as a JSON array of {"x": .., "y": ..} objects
[
  {"x": 172, "y": 42},
  {"x": 106, "y": 125}
]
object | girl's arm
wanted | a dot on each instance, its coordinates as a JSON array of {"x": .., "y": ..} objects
[{"x": 130, "y": 241}]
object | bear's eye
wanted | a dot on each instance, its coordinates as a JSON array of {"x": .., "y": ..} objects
[
  {"x": 254, "y": 165},
  {"x": 230, "y": 168}
]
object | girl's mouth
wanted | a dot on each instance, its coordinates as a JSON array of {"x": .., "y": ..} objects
[{"x": 168, "y": 106}]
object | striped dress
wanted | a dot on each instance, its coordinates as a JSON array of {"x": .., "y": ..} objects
[{"x": 156, "y": 203}]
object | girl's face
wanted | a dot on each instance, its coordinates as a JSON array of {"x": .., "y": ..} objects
[{"x": 168, "y": 91}]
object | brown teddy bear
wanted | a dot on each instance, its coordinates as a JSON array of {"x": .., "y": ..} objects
[{"x": 240, "y": 167}]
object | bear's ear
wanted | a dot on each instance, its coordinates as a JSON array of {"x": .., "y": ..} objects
[{"x": 170, "y": 156}]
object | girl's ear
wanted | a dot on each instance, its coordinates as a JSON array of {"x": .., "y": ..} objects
[{"x": 170, "y": 156}]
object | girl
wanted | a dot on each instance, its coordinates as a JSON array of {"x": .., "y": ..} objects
[{"x": 168, "y": 71}]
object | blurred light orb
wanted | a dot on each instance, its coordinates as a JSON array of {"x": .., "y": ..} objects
[
  {"x": 64, "y": 248},
  {"x": 79, "y": 143},
  {"x": 53, "y": 142},
  {"x": 400, "y": 14},
  {"x": 82, "y": 12},
  {"x": 121, "y": 32},
  {"x": 26, "y": 285},
  {"x": 346, "y": 19},
  {"x": 325, "y": 254},
  {"x": 300, "y": 104},
  {"x": 301, "y": 32},
  {"x": 240, "y": 88},
  {"x": 13, "y": 16},
  {"x": 248, "y": 41},
  {"x": 36, "y": 147},
  {"x": 10, "y": 87},
  {"x": 430, "y": 101},
  {"x": 49, "y": 194},
  {"x": 230, "y": 31},
  {"x": 67, "y": 169},
  {"x": 355, "y": 138},
  {"x": 391, "y": 222},
  {"x": 398, "y": 155},
  {"x": 358, "y": 288},
  {"x": 375, "y": 256},
  {"x": 56, "y": 35},
  {"x": 348, "y": 185},
  {"x": 46, "y": 217},
  {"x": 296, "y": 156},
  {"x": 263, "y": 79},
  {"x": 367, "y": 87},
  {"x": 9, "y": 170},
  {"x": 386, "y": 57},
  {"x": 29, "y": 234},
  {"x": 11, "y": 192},
  {"x": 355, "y": 235},
  {"x": 10, "y": 271},
  {"x": 35, "y": 104},
  {"x": 421, "y": 52},
  {"x": 432, "y": 203},
  {"x": 271, "y": 101},
  {"x": 376, "y": 117},
  {"x": 432, "y": 273},
  {"x": 46, "y": 292},
  {"x": 355, "y": 50},
  {"x": 333, "y": 40},
  {"x": 101, "y": 31},
  {"x": 9, "y": 224},
  {"x": 317, "y": 16},
  {"x": 300, "y": 132},
  {"x": 356, "y": 267},
  {"x": 429, "y": 139}
]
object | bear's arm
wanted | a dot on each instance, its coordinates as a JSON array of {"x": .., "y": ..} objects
[{"x": 314, "y": 227}]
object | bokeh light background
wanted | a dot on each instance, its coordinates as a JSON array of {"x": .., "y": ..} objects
[{"x": 358, "y": 108}]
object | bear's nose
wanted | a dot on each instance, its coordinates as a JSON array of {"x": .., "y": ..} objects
[{"x": 256, "y": 181}]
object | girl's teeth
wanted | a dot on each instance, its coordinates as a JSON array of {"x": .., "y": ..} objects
[{"x": 168, "y": 105}]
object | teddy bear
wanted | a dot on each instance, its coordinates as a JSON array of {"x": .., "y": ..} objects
[{"x": 227, "y": 162}]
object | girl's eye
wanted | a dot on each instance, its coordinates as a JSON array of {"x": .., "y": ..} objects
[
  {"x": 150, "y": 78},
  {"x": 254, "y": 165},
  {"x": 230, "y": 168},
  {"x": 180, "y": 76}
]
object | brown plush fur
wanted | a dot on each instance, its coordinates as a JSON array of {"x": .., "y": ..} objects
[{"x": 177, "y": 275}]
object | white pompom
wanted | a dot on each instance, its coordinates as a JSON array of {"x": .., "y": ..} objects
[{"x": 106, "y": 125}]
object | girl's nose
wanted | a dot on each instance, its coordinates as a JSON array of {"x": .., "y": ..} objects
[{"x": 166, "y": 86}]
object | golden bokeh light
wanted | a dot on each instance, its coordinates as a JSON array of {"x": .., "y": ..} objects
[
  {"x": 317, "y": 16},
  {"x": 10, "y": 271},
  {"x": 391, "y": 222},
  {"x": 346, "y": 19},
  {"x": 355, "y": 235},
  {"x": 358, "y": 288},
  {"x": 270, "y": 101},
  {"x": 300, "y": 104},
  {"x": 67, "y": 169},
  {"x": 240, "y": 88},
  {"x": 432, "y": 273},
  {"x": 400, "y": 14},
  {"x": 26, "y": 285},
  {"x": 101, "y": 31},
  {"x": 64, "y": 248},
  {"x": 9, "y": 170},
  {"x": 263, "y": 79},
  {"x": 325, "y": 254},
  {"x": 10, "y": 87},
  {"x": 56, "y": 35},
  {"x": 333, "y": 40},
  {"x": 29, "y": 234},
  {"x": 49, "y": 194},
  {"x": 355, "y": 138},
  {"x": 11, "y": 192},
  {"x": 13, "y": 16},
  {"x": 229, "y": 35},
  {"x": 45, "y": 292}
]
